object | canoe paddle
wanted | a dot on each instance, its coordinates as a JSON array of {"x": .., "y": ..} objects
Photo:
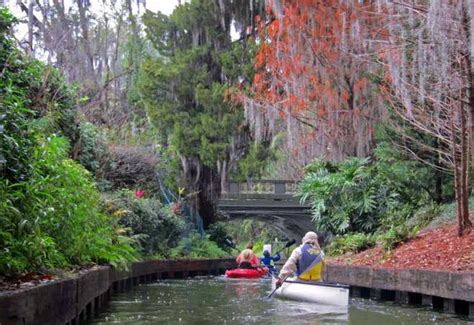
[
  {"x": 276, "y": 287},
  {"x": 288, "y": 244}
]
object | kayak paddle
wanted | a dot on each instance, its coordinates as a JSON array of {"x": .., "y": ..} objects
[
  {"x": 288, "y": 244},
  {"x": 230, "y": 243}
]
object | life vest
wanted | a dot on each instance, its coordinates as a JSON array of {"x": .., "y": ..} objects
[
  {"x": 267, "y": 261},
  {"x": 310, "y": 265},
  {"x": 270, "y": 261}
]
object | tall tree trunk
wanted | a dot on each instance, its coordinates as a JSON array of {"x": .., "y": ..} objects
[
  {"x": 457, "y": 179},
  {"x": 438, "y": 175},
  {"x": 30, "y": 26},
  {"x": 209, "y": 189},
  {"x": 204, "y": 186},
  {"x": 464, "y": 222},
  {"x": 468, "y": 23},
  {"x": 89, "y": 59},
  {"x": 460, "y": 168}
]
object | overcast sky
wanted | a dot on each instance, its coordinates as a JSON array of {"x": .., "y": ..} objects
[{"x": 165, "y": 6}]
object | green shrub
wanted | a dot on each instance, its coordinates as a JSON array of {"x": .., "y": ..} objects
[
  {"x": 350, "y": 243},
  {"x": 360, "y": 195},
  {"x": 395, "y": 235},
  {"x": 424, "y": 216},
  {"x": 197, "y": 246},
  {"x": 129, "y": 167},
  {"x": 88, "y": 145},
  {"x": 15, "y": 143},
  {"x": 343, "y": 196},
  {"x": 218, "y": 233},
  {"x": 156, "y": 228},
  {"x": 34, "y": 98},
  {"x": 53, "y": 219},
  {"x": 49, "y": 206}
]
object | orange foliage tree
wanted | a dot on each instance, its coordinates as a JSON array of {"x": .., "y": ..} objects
[
  {"x": 313, "y": 76},
  {"x": 325, "y": 67}
]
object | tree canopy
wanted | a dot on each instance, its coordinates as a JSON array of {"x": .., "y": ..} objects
[{"x": 186, "y": 87}]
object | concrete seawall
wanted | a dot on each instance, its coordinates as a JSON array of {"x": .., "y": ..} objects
[
  {"x": 71, "y": 301},
  {"x": 452, "y": 292}
]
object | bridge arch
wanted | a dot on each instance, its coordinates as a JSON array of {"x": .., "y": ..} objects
[{"x": 270, "y": 201}]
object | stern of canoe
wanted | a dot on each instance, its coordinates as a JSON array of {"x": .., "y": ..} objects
[{"x": 317, "y": 292}]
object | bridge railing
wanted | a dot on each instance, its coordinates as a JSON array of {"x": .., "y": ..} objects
[{"x": 260, "y": 188}]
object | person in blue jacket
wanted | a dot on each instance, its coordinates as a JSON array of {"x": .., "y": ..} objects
[{"x": 268, "y": 260}]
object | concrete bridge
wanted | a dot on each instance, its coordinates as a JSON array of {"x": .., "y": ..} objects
[{"x": 272, "y": 201}]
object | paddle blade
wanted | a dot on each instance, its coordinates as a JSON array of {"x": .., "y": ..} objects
[
  {"x": 291, "y": 242},
  {"x": 228, "y": 241}
]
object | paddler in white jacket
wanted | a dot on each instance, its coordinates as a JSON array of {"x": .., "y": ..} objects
[{"x": 306, "y": 261}]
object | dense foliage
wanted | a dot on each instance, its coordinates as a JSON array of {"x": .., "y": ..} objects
[
  {"x": 254, "y": 164},
  {"x": 246, "y": 231},
  {"x": 357, "y": 195},
  {"x": 156, "y": 227},
  {"x": 195, "y": 246},
  {"x": 50, "y": 212},
  {"x": 355, "y": 243},
  {"x": 389, "y": 196},
  {"x": 128, "y": 166}
]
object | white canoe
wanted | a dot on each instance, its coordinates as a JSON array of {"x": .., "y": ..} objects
[{"x": 317, "y": 292}]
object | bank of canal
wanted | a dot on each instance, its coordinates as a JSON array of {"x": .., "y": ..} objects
[
  {"x": 192, "y": 290},
  {"x": 217, "y": 300}
]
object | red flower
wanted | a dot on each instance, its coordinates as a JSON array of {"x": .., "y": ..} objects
[
  {"x": 139, "y": 194},
  {"x": 176, "y": 208}
]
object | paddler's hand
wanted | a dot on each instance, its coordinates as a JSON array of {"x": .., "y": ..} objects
[{"x": 279, "y": 282}]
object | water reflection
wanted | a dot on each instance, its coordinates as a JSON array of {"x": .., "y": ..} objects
[{"x": 234, "y": 301}]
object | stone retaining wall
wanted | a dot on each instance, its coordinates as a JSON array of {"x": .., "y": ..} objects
[
  {"x": 442, "y": 284},
  {"x": 73, "y": 300},
  {"x": 449, "y": 291}
]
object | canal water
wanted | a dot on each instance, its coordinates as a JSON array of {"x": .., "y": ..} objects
[{"x": 217, "y": 300}]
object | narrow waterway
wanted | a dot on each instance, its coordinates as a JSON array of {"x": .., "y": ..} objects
[{"x": 217, "y": 300}]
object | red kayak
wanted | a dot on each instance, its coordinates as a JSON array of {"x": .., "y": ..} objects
[{"x": 247, "y": 273}]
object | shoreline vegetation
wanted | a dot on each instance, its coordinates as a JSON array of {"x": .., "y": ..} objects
[
  {"x": 116, "y": 149},
  {"x": 70, "y": 196}
]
